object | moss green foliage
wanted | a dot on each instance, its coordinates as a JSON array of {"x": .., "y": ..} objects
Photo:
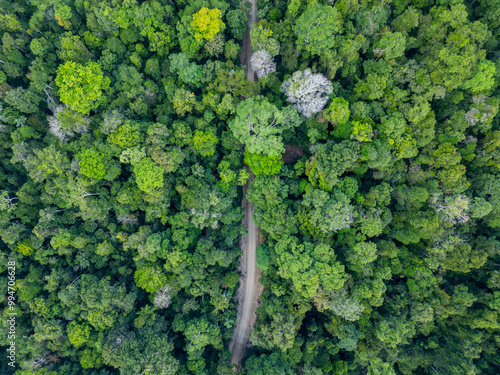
[
  {"x": 78, "y": 334},
  {"x": 207, "y": 23},
  {"x": 130, "y": 133},
  {"x": 362, "y": 130}
]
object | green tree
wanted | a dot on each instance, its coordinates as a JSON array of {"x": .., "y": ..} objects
[
  {"x": 361, "y": 254},
  {"x": 200, "y": 333},
  {"x": 127, "y": 135},
  {"x": 25, "y": 101},
  {"x": 267, "y": 364},
  {"x": 390, "y": 46},
  {"x": 316, "y": 28},
  {"x": 273, "y": 211},
  {"x": 262, "y": 38},
  {"x": 150, "y": 278},
  {"x": 73, "y": 49},
  {"x": 337, "y": 112},
  {"x": 309, "y": 266},
  {"x": 237, "y": 20},
  {"x": 379, "y": 367},
  {"x": 148, "y": 349},
  {"x": 183, "y": 101},
  {"x": 483, "y": 81},
  {"x": 278, "y": 330},
  {"x": 339, "y": 303},
  {"x": 189, "y": 73},
  {"x": 322, "y": 213},
  {"x": 330, "y": 161},
  {"x": 78, "y": 334},
  {"x": 263, "y": 164}
]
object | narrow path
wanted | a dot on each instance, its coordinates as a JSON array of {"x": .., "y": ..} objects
[
  {"x": 249, "y": 281},
  {"x": 247, "y": 51}
]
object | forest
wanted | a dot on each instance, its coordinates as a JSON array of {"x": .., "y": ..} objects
[{"x": 368, "y": 145}]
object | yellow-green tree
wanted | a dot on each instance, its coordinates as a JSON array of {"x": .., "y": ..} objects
[
  {"x": 81, "y": 86},
  {"x": 91, "y": 163},
  {"x": 149, "y": 176}
]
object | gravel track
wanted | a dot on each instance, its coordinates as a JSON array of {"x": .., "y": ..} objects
[{"x": 250, "y": 289}]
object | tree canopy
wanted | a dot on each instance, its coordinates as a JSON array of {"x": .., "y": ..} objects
[{"x": 365, "y": 149}]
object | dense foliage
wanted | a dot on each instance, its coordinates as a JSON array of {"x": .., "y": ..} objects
[
  {"x": 121, "y": 184},
  {"x": 374, "y": 136}
]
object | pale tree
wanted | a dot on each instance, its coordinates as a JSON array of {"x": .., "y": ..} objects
[
  {"x": 482, "y": 112},
  {"x": 307, "y": 92},
  {"x": 163, "y": 297},
  {"x": 262, "y": 63},
  {"x": 452, "y": 209},
  {"x": 112, "y": 119},
  {"x": 6, "y": 203},
  {"x": 127, "y": 219}
]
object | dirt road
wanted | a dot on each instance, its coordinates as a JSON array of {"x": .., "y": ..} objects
[
  {"x": 249, "y": 291},
  {"x": 247, "y": 51}
]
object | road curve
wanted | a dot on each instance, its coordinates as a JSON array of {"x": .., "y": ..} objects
[{"x": 248, "y": 295}]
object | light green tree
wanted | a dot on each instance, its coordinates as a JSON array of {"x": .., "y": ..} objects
[
  {"x": 91, "y": 163},
  {"x": 81, "y": 86},
  {"x": 259, "y": 125},
  {"x": 149, "y": 176}
]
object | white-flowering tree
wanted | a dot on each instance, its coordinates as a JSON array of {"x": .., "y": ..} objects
[
  {"x": 65, "y": 123},
  {"x": 306, "y": 91},
  {"x": 482, "y": 112},
  {"x": 452, "y": 209},
  {"x": 262, "y": 63},
  {"x": 163, "y": 298},
  {"x": 111, "y": 120},
  {"x": 127, "y": 219},
  {"x": 341, "y": 304}
]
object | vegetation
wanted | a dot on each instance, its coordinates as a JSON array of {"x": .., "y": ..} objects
[{"x": 126, "y": 129}]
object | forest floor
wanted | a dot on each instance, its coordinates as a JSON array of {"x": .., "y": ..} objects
[{"x": 250, "y": 289}]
